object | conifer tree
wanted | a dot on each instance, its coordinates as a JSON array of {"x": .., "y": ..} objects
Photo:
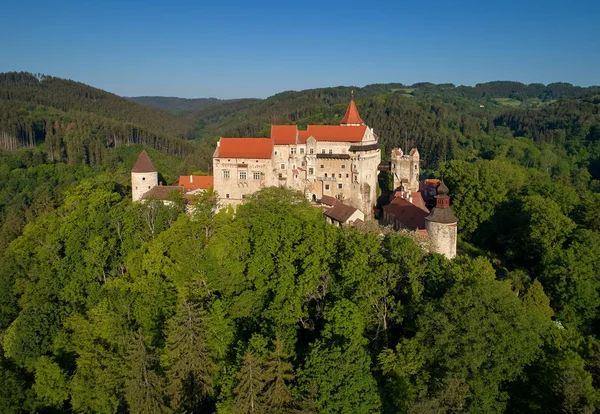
[
  {"x": 190, "y": 368},
  {"x": 143, "y": 388},
  {"x": 278, "y": 373},
  {"x": 250, "y": 385}
]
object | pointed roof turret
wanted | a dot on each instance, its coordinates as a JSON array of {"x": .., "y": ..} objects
[
  {"x": 442, "y": 213},
  {"x": 352, "y": 117},
  {"x": 143, "y": 164}
]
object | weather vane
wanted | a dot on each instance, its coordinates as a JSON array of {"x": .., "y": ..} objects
[{"x": 352, "y": 93}]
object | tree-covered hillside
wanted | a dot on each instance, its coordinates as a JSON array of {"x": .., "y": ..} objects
[
  {"x": 180, "y": 105},
  {"x": 108, "y": 306}
]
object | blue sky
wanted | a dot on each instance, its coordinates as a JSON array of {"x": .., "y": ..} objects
[{"x": 230, "y": 49}]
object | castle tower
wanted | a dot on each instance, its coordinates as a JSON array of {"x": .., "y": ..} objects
[
  {"x": 405, "y": 169},
  {"x": 144, "y": 176},
  {"x": 352, "y": 118},
  {"x": 441, "y": 224}
]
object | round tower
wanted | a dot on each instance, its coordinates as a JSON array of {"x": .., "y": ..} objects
[
  {"x": 441, "y": 224},
  {"x": 144, "y": 176}
]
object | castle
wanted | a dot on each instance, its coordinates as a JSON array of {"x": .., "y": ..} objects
[
  {"x": 323, "y": 160},
  {"x": 338, "y": 163}
]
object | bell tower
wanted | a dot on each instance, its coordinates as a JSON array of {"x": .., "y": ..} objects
[{"x": 144, "y": 176}]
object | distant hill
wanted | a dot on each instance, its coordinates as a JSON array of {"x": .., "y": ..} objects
[
  {"x": 326, "y": 105},
  {"x": 77, "y": 122},
  {"x": 179, "y": 105}
]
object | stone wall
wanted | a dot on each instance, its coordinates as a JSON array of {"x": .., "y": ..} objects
[
  {"x": 443, "y": 237},
  {"x": 142, "y": 183}
]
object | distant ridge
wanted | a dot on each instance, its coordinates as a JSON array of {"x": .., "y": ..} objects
[{"x": 178, "y": 105}]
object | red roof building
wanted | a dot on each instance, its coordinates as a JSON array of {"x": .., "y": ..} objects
[
  {"x": 195, "y": 182},
  {"x": 245, "y": 148},
  {"x": 284, "y": 134}
]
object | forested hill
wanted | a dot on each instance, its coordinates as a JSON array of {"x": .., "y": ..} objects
[
  {"x": 111, "y": 306},
  {"x": 67, "y": 95},
  {"x": 180, "y": 105},
  {"x": 78, "y": 123},
  {"x": 327, "y": 105}
]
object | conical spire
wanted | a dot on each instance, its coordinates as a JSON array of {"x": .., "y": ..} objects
[
  {"x": 352, "y": 117},
  {"x": 143, "y": 164}
]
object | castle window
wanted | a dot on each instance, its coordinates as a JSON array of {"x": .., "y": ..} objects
[
  {"x": 243, "y": 196},
  {"x": 325, "y": 174},
  {"x": 416, "y": 167},
  {"x": 226, "y": 195},
  {"x": 312, "y": 151},
  {"x": 283, "y": 166},
  {"x": 256, "y": 175},
  {"x": 339, "y": 186},
  {"x": 323, "y": 151},
  {"x": 331, "y": 151},
  {"x": 226, "y": 174},
  {"x": 343, "y": 166},
  {"x": 327, "y": 186},
  {"x": 322, "y": 166},
  {"x": 347, "y": 175},
  {"x": 311, "y": 171},
  {"x": 296, "y": 176},
  {"x": 292, "y": 150},
  {"x": 301, "y": 150},
  {"x": 275, "y": 152},
  {"x": 339, "y": 175},
  {"x": 148, "y": 187},
  {"x": 242, "y": 175},
  {"x": 143, "y": 178}
]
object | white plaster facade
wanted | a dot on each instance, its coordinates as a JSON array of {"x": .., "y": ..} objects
[{"x": 141, "y": 183}]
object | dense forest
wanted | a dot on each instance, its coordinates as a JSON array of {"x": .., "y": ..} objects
[
  {"x": 179, "y": 105},
  {"x": 108, "y": 306}
]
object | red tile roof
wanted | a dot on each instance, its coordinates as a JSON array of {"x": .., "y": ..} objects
[
  {"x": 245, "y": 148},
  {"x": 407, "y": 213},
  {"x": 352, "y": 116},
  {"x": 333, "y": 133},
  {"x": 417, "y": 200},
  {"x": 196, "y": 182},
  {"x": 302, "y": 136},
  {"x": 284, "y": 134},
  {"x": 143, "y": 164}
]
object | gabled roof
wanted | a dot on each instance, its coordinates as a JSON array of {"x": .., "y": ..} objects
[
  {"x": 284, "y": 134},
  {"x": 161, "y": 192},
  {"x": 195, "y": 182},
  {"x": 340, "y": 212},
  {"x": 333, "y": 133},
  {"x": 407, "y": 213},
  {"x": 244, "y": 148},
  {"x": 329, "y": 200},
  {"x": 143, "y": 164},
  {"x": 352, "y": 117}
]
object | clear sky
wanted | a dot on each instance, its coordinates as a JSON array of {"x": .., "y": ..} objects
[{"x": 231, "y": 49}]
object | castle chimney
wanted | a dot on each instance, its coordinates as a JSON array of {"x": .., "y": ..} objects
[
  {"x": 191, "y": 178},
  {"x": 410, "y": 199}
]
